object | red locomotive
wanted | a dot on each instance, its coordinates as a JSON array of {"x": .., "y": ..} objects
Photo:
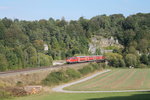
[{"x": 78, "y": 59}]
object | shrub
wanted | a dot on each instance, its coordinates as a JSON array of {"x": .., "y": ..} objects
[
  {"x": 142, "y": 66},
  {"x": 131, "y": 60},
  {"x": 72, "y": 74},
  {"x": 55, "y": 78},
  {"x": 95, "y": 66},
  {"x": 85, "y": 70},
  {"x": 4, "y": 94},
  {"x": 19, "y": 83}
]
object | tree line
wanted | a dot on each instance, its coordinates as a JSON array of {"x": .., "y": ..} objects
[{"x": 22, "y": 42}]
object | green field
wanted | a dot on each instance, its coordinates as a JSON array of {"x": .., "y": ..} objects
[
  {"x": 114, "y": 80},
  {"x": 89, "y": 96},
  {"x": 118, "y": 79}
]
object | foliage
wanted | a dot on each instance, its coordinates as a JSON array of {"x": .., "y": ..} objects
[
  {"x": 44, "y": 60},
  {"x": 73, "y": 74},
  {"x": 111, "y": 48},
  {"x": 62, "y": 76},
  {"x": 3, "y": 62},
  {"x": 21, "y": 41},
  {"x": 4, "y": 94},
  {"x": 115, "y": 59},
  {"x": 142, "y": 66},
  {"x": 131, "y": 60},
  {"x": 85, "y": 70},
  {"x": 144, "y": 59},
  {"x": 55, "y": 78}
]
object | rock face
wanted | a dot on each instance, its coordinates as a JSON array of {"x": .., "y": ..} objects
[
  {"x": 59, "y": 62},
  {"x": 45, "y": 47},
  {"x": 101, "y": 42}
]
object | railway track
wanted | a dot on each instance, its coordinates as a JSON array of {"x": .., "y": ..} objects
[
  {"x": 31, "y": 69},
  {"x": 38, "y": 68}
]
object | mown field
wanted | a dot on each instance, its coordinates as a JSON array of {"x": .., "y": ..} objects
[
  {"x": 115, "y": 80},
  {"x": 118, "y": 79},
  {"x": 89, "y": 96}
]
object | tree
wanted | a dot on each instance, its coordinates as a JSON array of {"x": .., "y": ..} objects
[
  {"x": 132, "y": 50},
  {"x": 143, "y": 46},
  {"x": 39, "y": 45},
  {"x": 128, "y": 37},
  {"x": 115, "y": 59},
  {"x": 7, "y": 22},
  {"x": 149, "y": 59},
  {"x": 122, "y": 63},
  {"x": 44, "y": 60},
  {"x": 55, "y": 44},
  {"x": 2, "y": 30},
  {"x": 144, "y": 59},
  {"x": 84, "y": 23},
  {"x": 12, "y": 58},
  {"x": 131, "y": 60},
  {"x": 3, "y": 63},
  {"x": 31, "y": 56},
  {"x": 14, "y": 36},
  {"x": 22, "y": 42},
  {"x": 98, "y": 51},
  {"x": 61, "y": 23}
]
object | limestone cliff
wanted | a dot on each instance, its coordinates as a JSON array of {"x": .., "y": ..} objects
[{"x": 103, "y": 44}]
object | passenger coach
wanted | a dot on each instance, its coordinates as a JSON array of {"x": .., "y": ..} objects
[{"x": 78, "y": 59}]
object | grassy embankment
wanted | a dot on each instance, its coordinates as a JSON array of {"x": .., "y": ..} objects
[{"x": 69, "y": 74}]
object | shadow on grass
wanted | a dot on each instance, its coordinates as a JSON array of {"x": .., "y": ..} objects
[{"x": 143, "y": 96}]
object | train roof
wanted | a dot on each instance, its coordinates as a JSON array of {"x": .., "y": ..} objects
[{"x": 89, "y": 56}]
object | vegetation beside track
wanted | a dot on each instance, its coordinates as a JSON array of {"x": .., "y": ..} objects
[{"x": 62, "y": 76}]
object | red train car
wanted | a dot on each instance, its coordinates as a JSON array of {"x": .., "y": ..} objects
[{"x": 78, "y": 59}]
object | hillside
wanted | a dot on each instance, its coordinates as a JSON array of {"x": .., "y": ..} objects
[{"x": 37, "y": 43}]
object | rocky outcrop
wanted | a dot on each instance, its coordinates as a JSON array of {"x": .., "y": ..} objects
[{"x": 100, "y": 42}]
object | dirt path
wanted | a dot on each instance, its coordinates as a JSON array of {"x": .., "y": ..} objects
[{"x": 60, "y": 88}]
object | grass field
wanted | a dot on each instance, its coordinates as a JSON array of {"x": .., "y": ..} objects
[
  {"x": 119, "y": 79},
  {"x": 89, "y": 96}
]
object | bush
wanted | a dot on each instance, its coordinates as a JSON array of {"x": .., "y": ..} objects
[
  {"x": 55, "y": 78},
  {"x": 4, "y": 94},
  {"x": 19, "y": 83},
  {"x": 85, "y": 70},
  {"x": 95, "y": 66},
  {"x": 131, "y": 60},
  {"x": 142, "y": 66},
  {"x": 115, "y": 59},
  {"x": 72, "y": 74}
]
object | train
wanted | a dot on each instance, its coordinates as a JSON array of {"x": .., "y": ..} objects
[{"x": 78, "y": 59}]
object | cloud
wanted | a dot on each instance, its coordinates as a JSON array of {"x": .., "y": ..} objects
[{"x": 3, "y": 7}]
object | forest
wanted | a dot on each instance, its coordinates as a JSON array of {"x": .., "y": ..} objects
[{"x": 22, "y": 42}]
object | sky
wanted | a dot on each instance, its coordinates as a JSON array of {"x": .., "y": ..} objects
[{"x": 69, "y": 9}]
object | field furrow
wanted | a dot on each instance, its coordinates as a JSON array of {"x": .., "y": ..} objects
[{"x": 118, "y": 79}]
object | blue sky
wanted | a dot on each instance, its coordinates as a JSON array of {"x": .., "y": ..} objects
[{"x": 70, "y": 9}]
